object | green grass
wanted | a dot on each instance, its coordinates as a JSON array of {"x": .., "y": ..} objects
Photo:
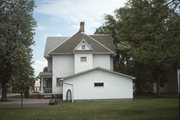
[{"x": 138, "y": 109}]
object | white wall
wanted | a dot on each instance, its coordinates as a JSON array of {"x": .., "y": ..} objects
[
  {"x": 111, "y": 63},
  {"x": 49, "y": 64},
  {"x": 115, "y": 86},
  {"x": 102, "y": 61},
  {"x": 81, "y": 66},
  {"x": 63, "y": 65}
]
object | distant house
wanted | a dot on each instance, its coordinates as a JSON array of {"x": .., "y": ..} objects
[
  {"x": 81, "y": 68},
  {"x": 170, "y": 82},
  {"x": 37, "y": 86}
]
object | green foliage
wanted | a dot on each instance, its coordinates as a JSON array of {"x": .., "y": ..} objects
[
  {"x": 16, "y": 37},
  {"x": 45, "y": 69},
  {"x": 146, "y": 34}
]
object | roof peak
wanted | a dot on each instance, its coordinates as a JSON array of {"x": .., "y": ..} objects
[{"x": 100, "y": 35}]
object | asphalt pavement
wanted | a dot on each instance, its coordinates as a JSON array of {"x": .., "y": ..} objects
[{"x": 27, "y": 103}]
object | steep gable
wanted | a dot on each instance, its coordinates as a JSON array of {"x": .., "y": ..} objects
[
  {"x": 69, "y": 45},
  {"x": 83, "y": 45}
]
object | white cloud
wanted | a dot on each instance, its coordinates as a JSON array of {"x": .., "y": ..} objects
[
  {"x": 38, "y": 66},
  {"x": 74, "y": 11}
]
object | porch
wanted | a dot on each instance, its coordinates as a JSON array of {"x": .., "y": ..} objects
[{"x": 45, "y": 83}]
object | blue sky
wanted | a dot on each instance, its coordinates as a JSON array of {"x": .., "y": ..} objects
[{"x": 62, "y": 18}]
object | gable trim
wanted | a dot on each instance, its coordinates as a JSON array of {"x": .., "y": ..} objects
[
  {"x": 85, "y": 43},
  {"x": 97, "y": 68}
]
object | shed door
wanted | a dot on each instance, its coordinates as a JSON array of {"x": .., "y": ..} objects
[{"x": 68, "y": 95}]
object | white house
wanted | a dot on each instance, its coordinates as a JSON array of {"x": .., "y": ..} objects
[{"x": 81, "y": 68}]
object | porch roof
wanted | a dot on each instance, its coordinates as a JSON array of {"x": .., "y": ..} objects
[{"x": 45, "y": 74}]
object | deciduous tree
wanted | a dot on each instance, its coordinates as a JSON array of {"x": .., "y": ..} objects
[
  {"x": 16, "y": 37},
  {"x": 146, "y": 36}
]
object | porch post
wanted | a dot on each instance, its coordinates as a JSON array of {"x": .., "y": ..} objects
[{"x": 42, "y": 82}]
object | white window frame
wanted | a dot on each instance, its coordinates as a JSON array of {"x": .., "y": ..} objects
[{"x": 83, "y": 47}]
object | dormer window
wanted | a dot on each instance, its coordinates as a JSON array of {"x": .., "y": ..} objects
[
  {"x": 83, "y": 47},
  {"x": 83, "y": 59}
]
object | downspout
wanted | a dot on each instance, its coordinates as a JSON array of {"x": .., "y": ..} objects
[{"x": 72, "y": 90}]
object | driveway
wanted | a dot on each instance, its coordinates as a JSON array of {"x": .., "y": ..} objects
[
  {"x": 11, "y": 94},
  {"x": 27, "y": 103}
]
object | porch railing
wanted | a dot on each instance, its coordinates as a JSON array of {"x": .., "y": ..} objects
[{"x": 47, "y": 90}]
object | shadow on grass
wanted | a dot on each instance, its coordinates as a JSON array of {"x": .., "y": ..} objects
[{"x": 153, "y": 96}]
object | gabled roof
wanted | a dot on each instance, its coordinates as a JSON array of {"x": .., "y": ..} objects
[
  {"x": 105, "y": 39},
  {"x": 98, "y": 45},
  {"x": 88, "y": 47},
  {"x": 97, "y": 68},
  {"x": 53, "y": 42}
]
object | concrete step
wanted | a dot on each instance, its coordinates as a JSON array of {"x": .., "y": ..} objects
[{"x": 48, "y": 96}]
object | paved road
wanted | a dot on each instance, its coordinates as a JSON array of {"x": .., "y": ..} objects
[{"x": 16, "y": 103}]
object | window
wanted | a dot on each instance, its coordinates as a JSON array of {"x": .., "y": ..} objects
[
  {"x": 98, "y": 84},
  {"x": 83, "y": 59},
  {"x": 83, "y": 47},
  {"x": 59, "y": 82}
]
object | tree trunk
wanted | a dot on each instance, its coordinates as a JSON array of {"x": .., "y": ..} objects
[
  {"x": 21, "y": 99},
  {"x": 156, "y": 75},
  {"x": 4, "y": 92},
  {"x": 26, "y": 92},
  {"x": 158, "y": 85}
]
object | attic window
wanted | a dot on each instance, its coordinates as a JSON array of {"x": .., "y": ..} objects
[
  {"x": 83, "y": 59},
  {"x": 98, "y": 84},
  {"x": 83, "y": 47}
]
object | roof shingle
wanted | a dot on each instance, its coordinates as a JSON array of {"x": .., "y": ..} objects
[
  {"x": 53, "y": 42},
  {"x": 99, "y": 44}
]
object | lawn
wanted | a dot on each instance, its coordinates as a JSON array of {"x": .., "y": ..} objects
[{"x": 141, "y": 108}]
